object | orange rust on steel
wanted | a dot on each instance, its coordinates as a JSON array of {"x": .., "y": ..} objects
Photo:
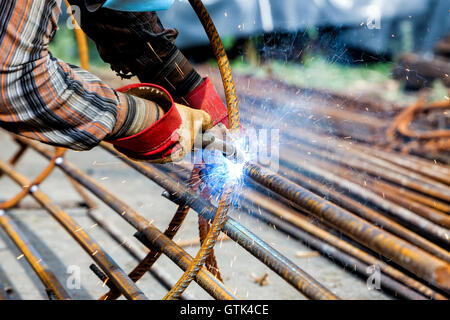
[
  {"x": 107, "y": 264},
  {"x": 383, "y": 189},
  {"x": 311, "y": 103},
  {"x": 137, "y": 253},
  {"x": 59, "y": 152},
  {"x": 417, "y": 285},
  {"x": 348, "y": 262},
  {"x": 400, "y": 175},
  {"x": 145, "y": 265},
  {"x": 222, "y": 61},
  {"x": 293, "y": 217},
  {"x": 405, "y": 113},
  {"x": 433, "y": 170},
  {"x": 42, "y": 270},
  {"x": 170, "y": 232},
  {"x": 216, "y": 226},
  {"x": 378, "y": 167},
  {"x": 369, "y": 128},
  {"x": 273, "y": 259},
  {"x": 393, "y": 193},
  {"x": 408, "y": 117},
  {"x": 366, "y": 213},
  {"x": 423, "y": 224},
  {"x": 195, "y": 241},
  {"x": 255, "y": 86},
  {"x": 153, "y": 255},
  {"x": 204, "y": 227},
  {"x": 211, "y": 261},
  {"x": 234, "y": 124},
  {"x": 208, "y": 240},
  {"x": 340, "y": 145},
  {"x": 290, "y": 272},
  {"x": 161, "y": 243},
  {"x": 337, "y": 118},
  {"x": 410, "y": 257},
  {"x": 69, "y": 204},
  {"x": 403, "y": 178},
  {"x": 429, "y": 202}
]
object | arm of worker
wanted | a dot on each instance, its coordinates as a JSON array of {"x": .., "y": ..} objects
[
  {"x": 137, "y": 44},
  {"x": 45, "y": 99}
]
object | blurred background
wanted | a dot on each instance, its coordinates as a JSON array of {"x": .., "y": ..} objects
[
  {"x": 342, "y": 45},
  {"x": 358, "y": 91}
]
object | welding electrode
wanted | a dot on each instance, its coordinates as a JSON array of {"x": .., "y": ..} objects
[{"x": 229, "y": 151}]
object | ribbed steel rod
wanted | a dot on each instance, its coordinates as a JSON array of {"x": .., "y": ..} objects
[
  {"x": 439, "y": 172},
  {"x": 406, "y": 176},
  {"x": 148, "y": 262},
  {"x": 333, "y": 253},
  {"x": 251, "y": 197},
  {"x": 421, "y": 223},
  {"x": 137, "y": 253},
  {"x": 397, "y": 174},
  {"x": 16, "y": 156},
  {"x": 340, "y": 145},
  {"x": 387, "y": 194},
  {"x": 373, "y": 165},
  {"x": 52, "y": 285},
  {"x": 249, "y": 241},
  {"x": 411, "y": 258},
  {"x": 106, "y": 263},
  {"x": 160, "y": 242},
  {"x": 206, "y": 247},
  {"x": 291, "y": 216},
  {"x": 365, "y": 212}
]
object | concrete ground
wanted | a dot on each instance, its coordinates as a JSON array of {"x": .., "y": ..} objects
[{"x": 62, "y": 253}]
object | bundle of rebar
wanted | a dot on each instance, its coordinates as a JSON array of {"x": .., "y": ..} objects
[
  {"x": 341, "y": 186},
  {"x": 339, "y": 189}
]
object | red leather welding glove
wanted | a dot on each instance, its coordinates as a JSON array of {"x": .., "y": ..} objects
[
  {"x": 206, "y": 98},
  {"x": 171, "y": 137}
]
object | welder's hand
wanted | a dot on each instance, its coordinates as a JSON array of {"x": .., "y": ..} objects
[
  {"x": 171, "y": 137},
  {"x": 206, "y": 98},
  {"x": 194, "y": 122}
]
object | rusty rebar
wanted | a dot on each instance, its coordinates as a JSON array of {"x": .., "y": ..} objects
[
  {"x": 367, "y": 213},
  {"x": 118, "y": 277},
  {"x": 439, "y": 172},
  {"x": 293, "y": 217},
  {"x": 136, "y": 252},
  {"x": 37, "y": 263},
  {"x": 411, "y": 258},
  {"x": 152, "y": 256},
  {"x": 159, "y": 241},
  {"x": 249, "y": 241},
  {"x": 331, "y": 252},
  {"x": 388, "y": 197},
  {"x": 419, "y": 222}
]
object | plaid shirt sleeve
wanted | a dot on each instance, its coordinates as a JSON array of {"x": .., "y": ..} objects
[{"x": 43, "y": 98}]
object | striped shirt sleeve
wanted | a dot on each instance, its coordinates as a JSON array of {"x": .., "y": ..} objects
[{"x": 45, "y": 99}]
